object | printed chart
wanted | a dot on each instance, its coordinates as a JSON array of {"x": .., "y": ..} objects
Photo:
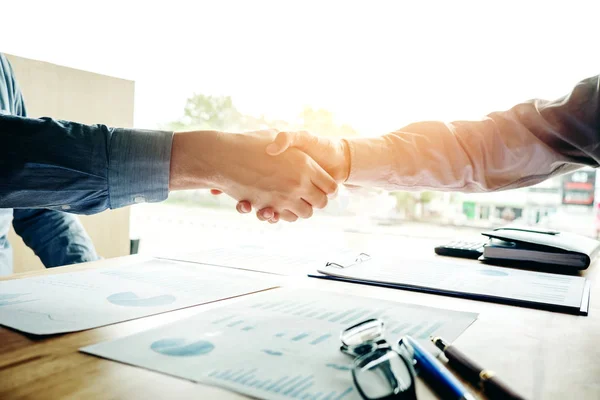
[
  {"x": 279, "y": 344},
  {"x": 74, "y": 301}
]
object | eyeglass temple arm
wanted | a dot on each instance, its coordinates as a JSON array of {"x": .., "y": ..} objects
[{"x": 389, "y": 374}]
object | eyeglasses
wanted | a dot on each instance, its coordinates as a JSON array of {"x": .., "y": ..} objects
[{"x": 379, "y": 371}]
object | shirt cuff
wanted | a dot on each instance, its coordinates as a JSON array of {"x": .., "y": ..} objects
[
  {"x": 138, "y": 166},
  {"x": 370, "y": 162}
]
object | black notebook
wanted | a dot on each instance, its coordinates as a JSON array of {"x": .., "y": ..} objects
[{"x": 516, "y": 245}]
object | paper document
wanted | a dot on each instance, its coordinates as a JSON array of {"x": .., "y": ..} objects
[
  {"x": 473, "y": 280},
  {"x": 81, "y": 300},
  {"x": 281, "y": 344},
  {"x": 275, "y": 260}
]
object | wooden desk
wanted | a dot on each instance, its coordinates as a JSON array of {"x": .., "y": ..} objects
[{"x": 543, "y": 355}]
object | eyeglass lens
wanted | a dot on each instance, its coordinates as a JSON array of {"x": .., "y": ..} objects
[
  {"x": 382, "y": 373},
  {"x": 367, "y": 331}
]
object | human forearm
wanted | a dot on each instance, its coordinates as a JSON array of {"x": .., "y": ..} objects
[
  {"x": 187, "y": 169},
  {"x": 469, "y": 157},
  {"x": 46, "y": 163},
  {"x": 518, "y": 147},
  {"x": 86, "y": 169},
  {"x": 57, "y": 238},
  {"x": 514, "y": 148}
]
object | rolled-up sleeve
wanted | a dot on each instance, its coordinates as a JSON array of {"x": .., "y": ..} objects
[
  {"x": 138, "y": 167},
  {"x": 83, "y": 169}
]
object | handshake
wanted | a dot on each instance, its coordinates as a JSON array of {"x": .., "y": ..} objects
[{"x": 283, "y": 175}]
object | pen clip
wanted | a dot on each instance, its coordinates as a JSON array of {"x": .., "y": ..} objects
[{"x": 362, "y": 257}]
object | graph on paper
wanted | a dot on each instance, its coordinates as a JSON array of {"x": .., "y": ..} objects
[
  {"x": 282, "y": 344},
  {"x": 292, "y": 386},
  {"x": 68, "y": 302},
  {"x": 418, "y": 328}
]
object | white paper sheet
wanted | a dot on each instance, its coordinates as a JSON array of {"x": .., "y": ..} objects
[
  {"x": 87, "y": 299},
  {"x": 472, "y": 279},
  {"x": 279, "y": 344},
  {"x": 273, "y": 259}
]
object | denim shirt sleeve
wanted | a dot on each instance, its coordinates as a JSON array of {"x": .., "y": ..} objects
[
  {"x": 57, "y": 238},
  {"x": 82, "y": 169}
]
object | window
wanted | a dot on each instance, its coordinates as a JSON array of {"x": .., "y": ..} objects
[{"x": 347, "y": 69}]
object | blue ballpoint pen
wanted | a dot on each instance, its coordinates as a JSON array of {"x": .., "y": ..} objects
[{"x": 433, "y": 372}]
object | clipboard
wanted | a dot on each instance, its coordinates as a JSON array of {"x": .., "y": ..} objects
[{"x": 523, "y": 288}]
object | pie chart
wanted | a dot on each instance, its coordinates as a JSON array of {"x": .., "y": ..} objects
[
  {"x": 179, "y": 347},
  {"x": 130, "y": 299},
  {"x": 10, "y": 298},
  {"x": 492, "y": 272}
]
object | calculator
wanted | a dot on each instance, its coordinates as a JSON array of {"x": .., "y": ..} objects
[{"x": 462, "y": 248}]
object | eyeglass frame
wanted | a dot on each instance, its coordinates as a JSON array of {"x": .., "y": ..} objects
[{"x": 379, "y": 344}]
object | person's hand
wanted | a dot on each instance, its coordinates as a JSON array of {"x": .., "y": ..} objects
[
  {"x": 290, "y": 183},
  {"x": 330, "y": 153}
]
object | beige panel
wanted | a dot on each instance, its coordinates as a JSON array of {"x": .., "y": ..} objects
[{"x": 70, "y": 94}]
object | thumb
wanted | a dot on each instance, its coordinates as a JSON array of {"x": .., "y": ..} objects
[
  {"x": 281, "y": 143},
  {"x": 300, "y": 139}
]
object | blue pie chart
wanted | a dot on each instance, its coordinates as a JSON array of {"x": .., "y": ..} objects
[
  {"x": 491, "y": 272},
  {"x": 130, "y": 299},
  {"x": 179, "y": 347},
  {"x": 7, "y": 299},
  {"x": 10, "y": 296}
]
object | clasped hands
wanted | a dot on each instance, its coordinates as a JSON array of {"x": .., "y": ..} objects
[
  {"x": 283, "y": 175},
  {"x": 332, "y": 155}
]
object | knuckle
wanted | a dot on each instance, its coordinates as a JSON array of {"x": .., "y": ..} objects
[{"x": 284, "y": 136}]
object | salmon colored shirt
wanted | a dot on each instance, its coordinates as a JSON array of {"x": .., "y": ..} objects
[{"x": 518, "y": 147}]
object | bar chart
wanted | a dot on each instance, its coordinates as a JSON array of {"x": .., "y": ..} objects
[
  {"x": 279, "y": 345},
  {"x": 418, "y": 327},
  {"x": 285, "y": 386}
]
